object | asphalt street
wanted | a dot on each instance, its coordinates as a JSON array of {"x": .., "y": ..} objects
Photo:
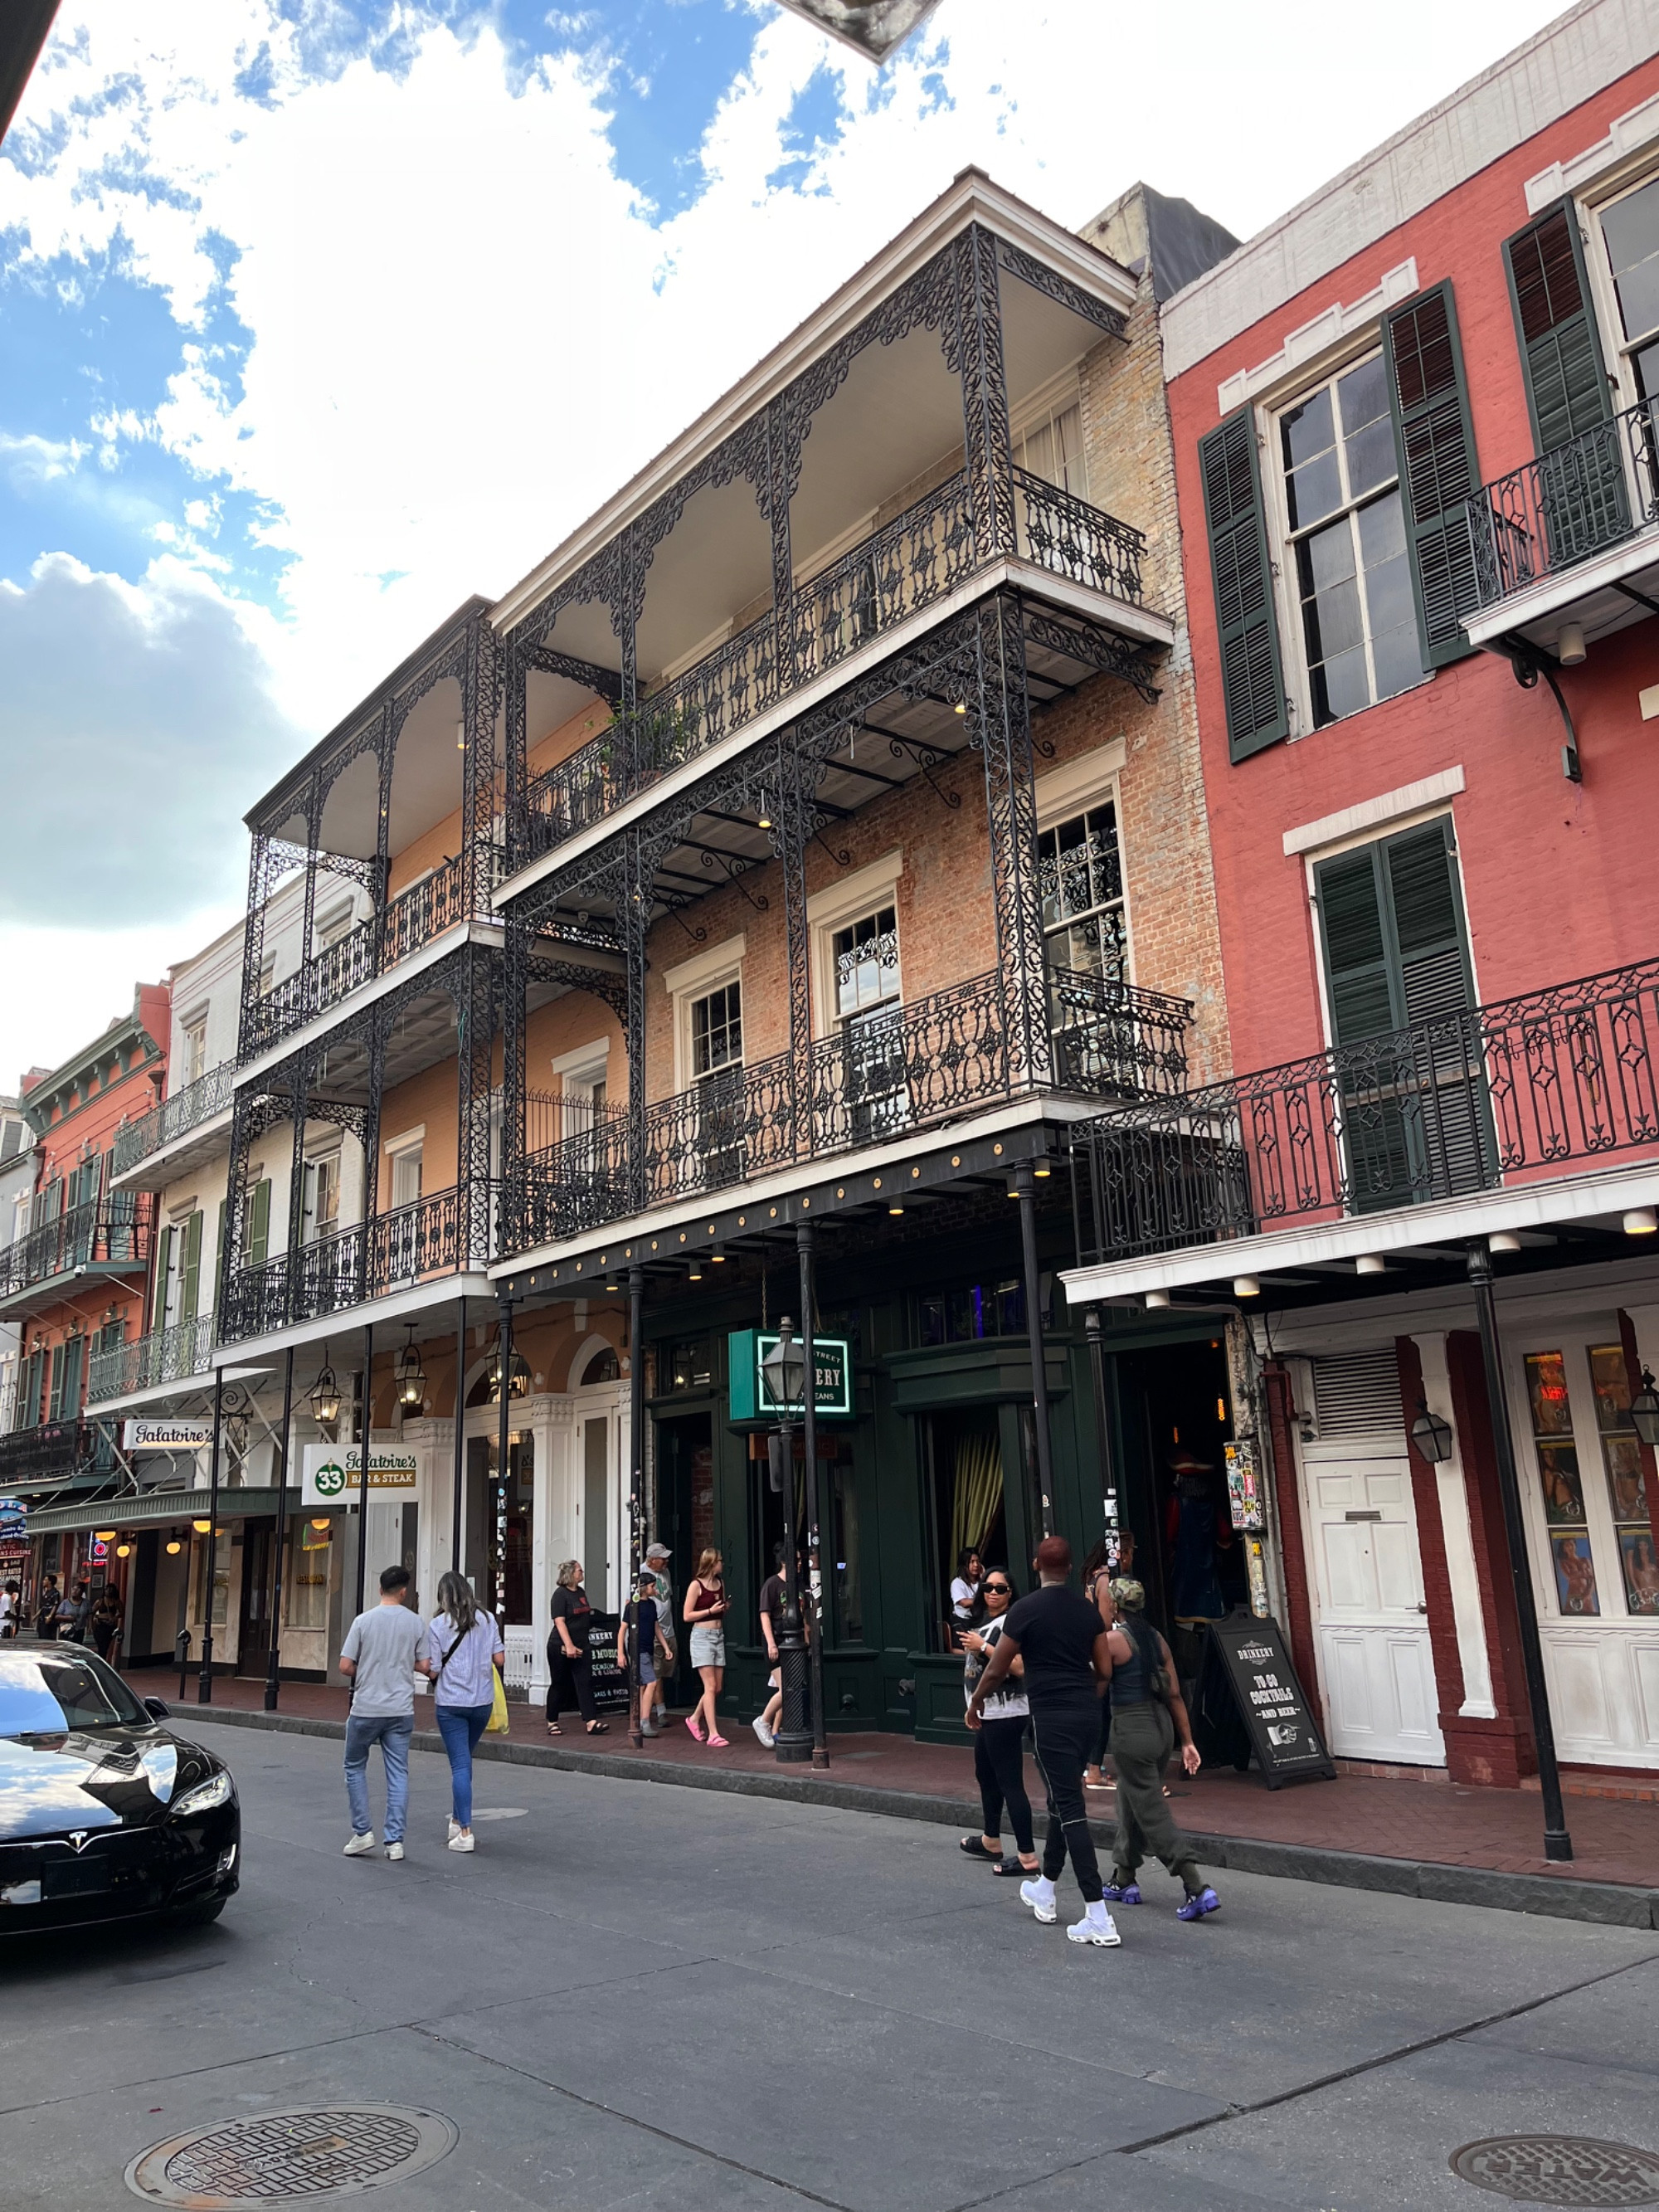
[{"x": 641, "y": 1997}]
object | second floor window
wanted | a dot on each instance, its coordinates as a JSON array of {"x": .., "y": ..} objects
[
  {"x": 1080, "y": 877},
  {"x": 322, "y": 1199},
  {"x": 196, "y": 1051},
  {"x": 1347, "y": 566},
  {"x": 865, "y": 955},
  {"x": 335, "y": 924},
  {"x": 1630, "y": 227},
  {"x": 1052, "y": 448},
  {"x": 406, "y": 1174},
  {"x": 717, "y": 1029}
]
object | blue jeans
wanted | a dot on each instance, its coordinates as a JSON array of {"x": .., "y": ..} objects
[
  {"x": 460, "y": 1727},
  {"x": 391, "y": 1731}
]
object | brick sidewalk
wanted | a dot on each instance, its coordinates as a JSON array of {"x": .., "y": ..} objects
[{"x": 1616, "y": 1840}]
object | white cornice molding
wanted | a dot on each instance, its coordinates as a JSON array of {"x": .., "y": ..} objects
[
  {"x": 1349, "y": 821},
  {"x": 1325, "y": 330},
  {"x": 1628, "y": 134}
]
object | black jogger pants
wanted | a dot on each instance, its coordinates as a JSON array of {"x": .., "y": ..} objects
[
  {"x": 999, "y": 1770},
  {"x": 1065, "y": 1735}
]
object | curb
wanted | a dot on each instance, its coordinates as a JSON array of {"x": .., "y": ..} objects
[{"x": 1604, "y": 1903}]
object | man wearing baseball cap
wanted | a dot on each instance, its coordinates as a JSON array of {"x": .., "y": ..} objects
[{"x": 659, "y": 1559}]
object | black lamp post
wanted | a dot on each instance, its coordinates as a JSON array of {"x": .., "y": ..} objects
[
  {"x": 783, "y": 1372},
  {"x": 411, "y": 1376}
]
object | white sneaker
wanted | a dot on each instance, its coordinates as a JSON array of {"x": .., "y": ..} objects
[
  {"x": 394, "y": 1850},
  {"x": 1096, "y": 1926},
  {"x": 461, "y": 1840},
  {"x": 1039, "y": 1894},
  {"x": 765, "y": 1733},
  {"x": 360, "y": 1846},
  {"x": 454, "y": 1828}
]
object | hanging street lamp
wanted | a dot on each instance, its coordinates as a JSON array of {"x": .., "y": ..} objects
[
  {"x": 411, "y": 1376},
  {"x": 1432, "y": 1435}
]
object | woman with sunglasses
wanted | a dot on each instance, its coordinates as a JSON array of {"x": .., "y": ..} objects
[{"x": 1000, "y": 1743}]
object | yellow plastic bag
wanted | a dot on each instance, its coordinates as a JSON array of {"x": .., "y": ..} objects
[{"x": 498, "y": 1723}]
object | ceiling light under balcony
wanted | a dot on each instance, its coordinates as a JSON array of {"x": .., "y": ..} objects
[
  {"x": 1371, "y": 1263},
  {"x": 1157, "y": 1301},
  {"x": 1570, "y": 648},
  {"x": 1247, "y": 1287},
  {"x": 1641, "y": 1221},
  {"x": 1504, "y": 1240}
]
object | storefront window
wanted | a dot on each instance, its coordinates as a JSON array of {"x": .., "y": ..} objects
[
  {"x": 310, "y": 1566},
  {"x": 965, "y": 1473},
  {"x": 976, "y": 1311},
  {"x": 1562, "y": 1484},
  {"x": 1621, "y": 1461},
  {"x": 690, "y": 1366},
  {"x": 846, "y": 1594},
  {"x": 500, "y": 1519}
]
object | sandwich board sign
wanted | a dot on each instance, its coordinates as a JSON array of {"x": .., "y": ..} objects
[{"x": 1282, "y": 1732}]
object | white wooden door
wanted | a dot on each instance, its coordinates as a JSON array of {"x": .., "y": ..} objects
[{"x": 1371, "y": 1621}]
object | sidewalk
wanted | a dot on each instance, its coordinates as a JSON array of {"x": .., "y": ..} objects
[{"x": 1462, "y": 1845}]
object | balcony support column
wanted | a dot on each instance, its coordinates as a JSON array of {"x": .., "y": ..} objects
[
  {"x": 379, "y": 1022},
  {"x": 261, "y": 865},
  {"x": 385, "y": 752},
  {"x": 482, "y": 978},
  {"x": 635, "y": 1487},
  {"x": 792, "y": 819},
  {"x": 313, "y": 840},
  {"x": 820, "y": 1540},
  {"x": 210, "y": 1576},
  {"x": 973, "y": 349},
  {"x": 458, "y": 1475},
  {"x": 633, "y": 922},
  {"x": 480, "y": 686},
  {"x": 782, "y": 467},
  {"x": 285, "y": 1443},
  {"x": 1025, "y": 1190},
  {"x": 300, "y": 1078},
  {"x": 999, "y": 711}
]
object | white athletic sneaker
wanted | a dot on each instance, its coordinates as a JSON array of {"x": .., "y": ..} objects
[
  {"x": 1039, "y": 1894},
  {"x": 765, "y": 1733},
  {"x": 461, "y": 1841},
  {"x": 454, "y": 1829},
  {"x": 360, "y": 1846},
  {"x": 394, "y": 1850},
  {"x": 1096, "y": 1926}
]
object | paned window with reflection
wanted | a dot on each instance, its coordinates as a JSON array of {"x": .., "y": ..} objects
[
  {"x": 866, "y": 954},
  {"x": 1080, "y": 878},
  {"x": 1572, "y": 1563},
  {"x": 1347, "y": 544},
  {"x": 1630, "y": 230},
  {"x": 717, "y": 1029},
  {"x": 1052, "y": 448},
  {"x": 1622, "y": 1466}
]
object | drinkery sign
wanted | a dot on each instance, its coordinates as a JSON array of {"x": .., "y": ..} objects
[
  {"x": 751, "y": 1402},
  {"x": 334, "y": 1474}
]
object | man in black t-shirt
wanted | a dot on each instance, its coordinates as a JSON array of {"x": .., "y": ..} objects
[{"x": 1065, "y": 1645}]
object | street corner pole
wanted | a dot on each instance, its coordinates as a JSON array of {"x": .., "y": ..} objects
[
  {"x": 204, "y": 1680},
  {"x": 792, "y": 1742},
  {"x": 819, "y": 1538},
  {"x": 273, "y": 1669},
  {"x": 503, "y": 1457},
  {"x": 1558, "y": 1843},
  {"x": 635, "y": 1487},
  {"x": 1025, "y": 1191},
  {"x": 1110, "y": 1490},
  {"x": 365, "y": 1424},
  {"x": 459, "y": 1425}
]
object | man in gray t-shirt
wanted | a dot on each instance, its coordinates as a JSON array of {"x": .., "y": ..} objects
[{"x": 378, "y": 1659}]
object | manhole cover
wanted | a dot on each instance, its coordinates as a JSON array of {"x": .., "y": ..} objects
[
  {"x": 1560, "y": 2170},
  {"x": 279, "y": 2158}
]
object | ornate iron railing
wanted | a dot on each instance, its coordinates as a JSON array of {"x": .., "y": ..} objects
[
  {"x": 110, "y": 1231},
  {"x": 166, "y": 1355},
  {"x": 53, "y": 1451},
  {"x": 440, "y": 1234},
  {"x": 186, "y": 1110},
  {"x": 457, "y": 892},
  {"x": 875, "y": 1079},
  {"x": 910, "y": 563},
  {"x": 1445, "y": 1107},
  {"x": 1563, "y": 506}
]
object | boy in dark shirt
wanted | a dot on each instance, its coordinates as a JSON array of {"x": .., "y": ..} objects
[
  {"x": 1064, "y": 1643},
  {"x": 640, "y": 1618}
]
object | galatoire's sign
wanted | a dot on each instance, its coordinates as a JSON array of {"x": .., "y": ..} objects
[
  {"x": 184, "y": 1435},
  {"x": 334, "y": 1474}
]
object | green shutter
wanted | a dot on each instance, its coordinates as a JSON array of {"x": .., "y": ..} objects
[
  {"x": 190, "y": 1273},
  {"x": 1439, "y": 476},
  {"x": 163, "y": 1268},
  {"x": 256, "y": 1238},
  {"x": 1560, "y": 347},
  {"x": 1252, "y": 674},
  {"x": 1366, "y": 999},
  {"x": 70, "y": 1394},
  {"x": 26, "y": 1413},
  {"x": 55, "y": 1388},
  {"x": 220, "y": 1256}
]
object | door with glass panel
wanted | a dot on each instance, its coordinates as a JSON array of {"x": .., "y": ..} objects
[
  {"x": 1085, "y": 949},
  {"x": 874, "y": 1091},
  {"x": 719, "y": 1128}
]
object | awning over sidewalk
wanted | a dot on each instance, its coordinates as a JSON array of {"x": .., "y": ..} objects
[{"x": 151, "y": 1508}]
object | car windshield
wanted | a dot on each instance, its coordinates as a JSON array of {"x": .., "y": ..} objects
[{"x": 42, "y": 1693}]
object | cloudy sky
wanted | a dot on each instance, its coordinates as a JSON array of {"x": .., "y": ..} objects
[{"x": 318, "y": 315}]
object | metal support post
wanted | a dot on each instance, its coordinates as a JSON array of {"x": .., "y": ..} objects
[
  {"x": 1558, "y": 1843},
  {"x": 1110, "y": 1494},
  {"x": 503, "y": 1457},
  {"x": 793, "y": 1741},
  {"x": 1025, "y": 1190},
  {"x": 272, "y": 1671},
  {"x": 204, "y": 1680},
  {"x": 820, "y": 1538},
  {"x": 460, "y": 1440},
  {"x": 635, "y": 1485},
  {"x": 364, "y": 1423}
]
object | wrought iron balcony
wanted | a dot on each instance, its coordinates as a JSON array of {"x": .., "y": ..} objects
[
  {"x": 457, "y": 892},
  {"x": 109, "y": 1232},
  {"x": 166, "y": 1355},
  {"x": 437, "y": 1234},
  {"x": 911, "y": 563},
  {"x": 875, "y": 1080},
  {"x": 185, "y": 1110},
  {"x": 1564, "y": 505},
  {"x": 1465, "y": 1102},
  {"x": 53, "y": 1451}
]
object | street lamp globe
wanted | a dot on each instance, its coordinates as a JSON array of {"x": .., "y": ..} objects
[
  {"x": 1432, "y": 1435},
  {"x": 1644, "y": 1410},
  {"x": 325, "y": 1399},
  {"x": 784, "y": 1369}
]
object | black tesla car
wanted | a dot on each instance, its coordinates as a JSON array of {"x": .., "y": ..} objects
[{"x": 105, "y": 1813}]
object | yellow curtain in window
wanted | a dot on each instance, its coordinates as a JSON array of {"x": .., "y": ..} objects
[{"x": 978, "y": 1490}]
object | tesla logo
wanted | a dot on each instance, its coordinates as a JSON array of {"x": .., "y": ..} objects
[{"x": 78, "y": 1838}]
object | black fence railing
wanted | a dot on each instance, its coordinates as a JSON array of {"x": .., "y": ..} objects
[
  {"x": 1563, "y": 506},
  {"x": 457, "y": 892},
  {"x": 438, "y": 1234},
  {"x": 910, "y": 564},
  {"x": 174, "y": 1117},
  {"x": 875, "y": 1079},
  {"x": 111, "y": 1232},
  {"x": 1557, "y": 1080},
  {"x": 54, "y": 1451},
  {"x": 166, "y": 1355}
]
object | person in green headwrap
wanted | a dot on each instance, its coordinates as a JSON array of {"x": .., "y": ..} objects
[{"x": 1148, "y": 1717}]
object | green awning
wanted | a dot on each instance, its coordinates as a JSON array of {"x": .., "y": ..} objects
[{"x": 150, "y": 1508}]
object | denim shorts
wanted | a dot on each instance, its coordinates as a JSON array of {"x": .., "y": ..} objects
[
  {"x": 648, "y": 1669},
  {"x": 708, "y": 1645}
]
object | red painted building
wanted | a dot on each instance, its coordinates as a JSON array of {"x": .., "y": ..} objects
[
  {"x": 74, "y": 1281},
  {"x": 1417, "y": 447}
]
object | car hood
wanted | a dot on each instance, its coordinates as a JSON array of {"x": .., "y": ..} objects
[{"x": 91, "y": 1779}]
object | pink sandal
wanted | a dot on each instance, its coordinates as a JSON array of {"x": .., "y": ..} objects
[
  {"x": 720, "y": 1743},
  {"x": 691, "y": 1723}
]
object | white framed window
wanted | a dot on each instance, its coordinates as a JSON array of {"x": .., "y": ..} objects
[
  {"x": 1080, "y": 880},
  {"x": 716, "y": 1030},
  {"x": 194, "y": 1040},
  {"x": 707, "y": 995},
  {"x": 403, "y": 1159},
  {"x": 1345, "y": 571},
  {"x": 865, "y": 953},
  {"x": 1628, "y": 229},
  {"x": 338, "y": 921},
  {"x": 1050, "y": 446},
  {"x": 267, "y": 972},
  {"x": 321, "y": 1217},
  {"x": 583, "y": 1076}
]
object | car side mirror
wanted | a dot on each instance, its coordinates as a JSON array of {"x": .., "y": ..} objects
[{"x": 157, "y": 1708}]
